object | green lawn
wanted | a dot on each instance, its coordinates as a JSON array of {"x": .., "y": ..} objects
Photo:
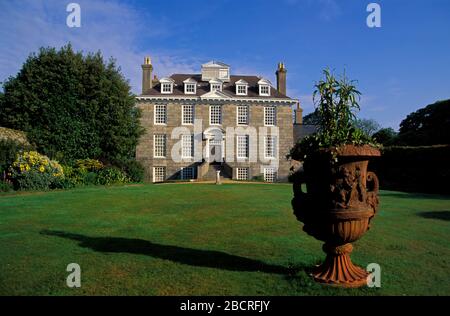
[{"x": 202, "y": 239}]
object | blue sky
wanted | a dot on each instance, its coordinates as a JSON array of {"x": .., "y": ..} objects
[{"x": 400, "y": 67}]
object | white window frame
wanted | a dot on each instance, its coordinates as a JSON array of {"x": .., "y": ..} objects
[
  {"x": 165, "y": 85},
  {"x": 264, "y": 86},
  {"x": 270, "y": 175},
  {"x": 210, "y": 114},
  {"x": 157, "y": 147},
  {"x": 162, "y": 175},
  {"x": 224, "y": 74},
  {"x": 245, "y": 87},
  {"x": 187, "y": 146},
  {"x": 216, "y": 87},
  {"x": 270, "y": 116},
  {"x": 185, "y": 116},
  {"x": 242, "y": 118},
  {"x": 270, "y": 147},
  {"x": 187, "y": 173},
  {"x": 156, "y": 114},
  {"x": 191, "y": 85},
  {"x": 242, "y": 173},
  {"x": 242, "y": 151}
]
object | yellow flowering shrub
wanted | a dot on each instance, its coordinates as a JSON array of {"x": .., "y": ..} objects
[{"x": 32, "y": 170}]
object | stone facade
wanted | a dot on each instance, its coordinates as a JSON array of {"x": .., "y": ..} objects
[{"x": 202, "y": 166}]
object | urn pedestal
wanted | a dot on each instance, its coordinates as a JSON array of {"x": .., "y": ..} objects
[{"x": 340, "y": 200}]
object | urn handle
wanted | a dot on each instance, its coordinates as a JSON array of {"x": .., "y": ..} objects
[{"x": 372, "y": 183}]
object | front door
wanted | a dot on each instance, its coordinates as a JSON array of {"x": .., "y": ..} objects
[{"x": 215, "y": 150}]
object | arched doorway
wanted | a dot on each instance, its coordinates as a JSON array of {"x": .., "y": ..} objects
[{"x": 215, "y": 145}]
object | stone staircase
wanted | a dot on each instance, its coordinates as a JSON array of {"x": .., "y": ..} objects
[{"x": 213, "y": 167}]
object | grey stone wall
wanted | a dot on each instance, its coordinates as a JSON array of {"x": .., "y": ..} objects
[{"x": 144, "y": 151}]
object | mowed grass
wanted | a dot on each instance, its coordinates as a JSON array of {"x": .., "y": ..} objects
[{"x": 203, "y": 239}]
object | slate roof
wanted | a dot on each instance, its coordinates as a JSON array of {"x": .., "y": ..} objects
[{"x": 229, "y": 88}]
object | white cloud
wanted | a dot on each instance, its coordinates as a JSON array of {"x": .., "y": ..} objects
[{"x": 113, "y": 28}]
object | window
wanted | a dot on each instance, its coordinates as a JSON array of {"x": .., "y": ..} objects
[
  {"x": 264, "y": 90},
  {"x": 242, "y": 146},
  {"x": 166, "y": 88},
  {"x": 241, "y": 90},
  {"x": 269, "y": 116},
  {"x": 187, "y": 173},
  {"x": 270, "y": 146},
  {"x": 242, "y": 173},
  {"x": 159, "y": 146},
  {"x": 159, "y": 174},
  {"x": 223, "y": 74},
  {"x": 270, "y": 175},
  {"x": 215, "y": 115},
  {"x": 242, "y": 115},
  {"x": 189, "y": 88},
  {"x": 160, "y": 114},
  {"x": 187, "y": 114},
  {"x": 187, "y": 144},
  {"x": 216, "y": 87}
]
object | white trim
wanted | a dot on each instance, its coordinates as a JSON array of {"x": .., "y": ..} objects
[
  {"x": 190, "y": 84},
  {"x": 192, "y": 114},
  {"x": 274, "y": 175},
  {"x": 164, "y": 173},
  {"x": 247, "y": 149},
  {"x": 165, "y": 114},
  {"x": 218, "y": 97},
  {"x": 237, "y": 115},
  {"x": 274, "y": 115},
  {"x": 274, "y": 146},
  {"x": 220, "y": 115},
  {"x": 247, "y": 171},
  {"x": 154, "y": 146},
  {"x": 264, "y": 93}
]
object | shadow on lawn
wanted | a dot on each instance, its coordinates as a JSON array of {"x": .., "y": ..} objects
[
  {"x": 189, "y": 256},
  {"x": 442, "y": 215}
]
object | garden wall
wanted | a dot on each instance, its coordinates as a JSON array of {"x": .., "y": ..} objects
[{"x": 414, "y": 169}]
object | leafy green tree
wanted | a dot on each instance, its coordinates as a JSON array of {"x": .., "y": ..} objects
[
  {"x": 427, "y": 126},
  {"x": 385, "y": 136},
  {"x": 72, "y": 106},
  {"x": 312, "y": 118},
  {"x": 369, "y": 126}
]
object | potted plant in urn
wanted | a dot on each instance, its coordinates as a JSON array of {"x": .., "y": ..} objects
[{"x": 341, "y": 196}]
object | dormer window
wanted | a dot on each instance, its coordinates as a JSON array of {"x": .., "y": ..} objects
[
  {"x": 190, "y": 86},
  {"x": 264, "y": 87},
  {"x": 241, "y": 87},
  {"x": 216, "y": 85},
  {"x": 166, "y": 85}
]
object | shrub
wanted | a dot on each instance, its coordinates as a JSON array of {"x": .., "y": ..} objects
[
  {"x": 133, "y": 169},
  {"x": 8, "y": 152},
  {"x": 89, "y": 164},
  {"x": 5, "y": 186},
  {"x": 417, "y": 169},
  {"x": 111, "y": 175},
  {"x": 33, "y": 171}
]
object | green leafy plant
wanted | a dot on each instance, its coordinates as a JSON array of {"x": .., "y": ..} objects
[
  {"x": 112, "y": 175},
  {"x": 336, "y": 101},
  {"x": 33, "y": 171},
  {"x": 133, "y": 169}
]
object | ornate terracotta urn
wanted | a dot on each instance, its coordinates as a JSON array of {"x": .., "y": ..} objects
[{"x": 340, "y": 200}]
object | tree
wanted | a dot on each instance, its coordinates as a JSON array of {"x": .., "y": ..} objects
[
  {"x": 385, "y": 136},
  {"x": 72, "y": 106},
  {"x": 369, "y": 126},
  {"x": 311, "y": 118},
  {"x": 427, "y": 126}
]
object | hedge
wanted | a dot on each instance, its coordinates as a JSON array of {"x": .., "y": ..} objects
[{"x": 414, "y": 169}]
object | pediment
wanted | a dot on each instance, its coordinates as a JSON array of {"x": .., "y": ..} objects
[{"x": 215, "y": 95}]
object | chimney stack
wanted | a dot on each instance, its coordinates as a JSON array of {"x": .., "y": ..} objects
[
  {"x": 298, "y": 114},
  {"x": 281, "y": 78},
  {"x": 147, "y": 69}
]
